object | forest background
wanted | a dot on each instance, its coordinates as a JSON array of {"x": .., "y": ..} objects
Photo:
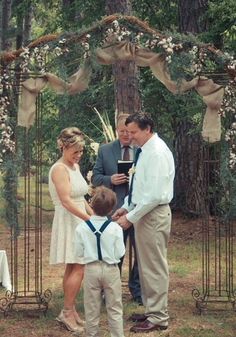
[{"x": 178, "y": 118}]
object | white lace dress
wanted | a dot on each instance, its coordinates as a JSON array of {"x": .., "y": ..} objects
[{"x": 64, "y": 223}]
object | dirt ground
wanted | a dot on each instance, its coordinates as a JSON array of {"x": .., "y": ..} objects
[{"x": 184, "y": 318}]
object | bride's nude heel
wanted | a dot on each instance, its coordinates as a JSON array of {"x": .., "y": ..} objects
[{"x": 66, "y": 317}]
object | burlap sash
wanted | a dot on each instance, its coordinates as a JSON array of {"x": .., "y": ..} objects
[{"x": 211, "y": 93}]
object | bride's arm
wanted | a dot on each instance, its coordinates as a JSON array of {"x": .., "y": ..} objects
[
  {"x": 89, "y": 210},
  {"x": 60, "y": 178}
]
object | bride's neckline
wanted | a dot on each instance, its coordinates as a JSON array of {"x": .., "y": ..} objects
[{"x": 69, "y": 166}]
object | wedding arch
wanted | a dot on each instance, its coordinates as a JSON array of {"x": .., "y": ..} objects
[{"x": 23, "y": 76}]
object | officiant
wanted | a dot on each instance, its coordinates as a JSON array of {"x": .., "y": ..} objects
[{"x": 105, "y": 172}]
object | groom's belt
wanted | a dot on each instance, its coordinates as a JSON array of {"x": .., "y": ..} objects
[{"x": 156, "y": 206}]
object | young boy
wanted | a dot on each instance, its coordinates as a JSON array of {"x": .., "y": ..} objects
[{"x": 100, "y": 242}]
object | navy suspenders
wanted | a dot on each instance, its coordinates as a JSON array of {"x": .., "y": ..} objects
[{"x": 98, "y": 234}]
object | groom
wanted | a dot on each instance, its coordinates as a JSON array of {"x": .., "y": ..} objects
[{"x": 147, "y": 208}]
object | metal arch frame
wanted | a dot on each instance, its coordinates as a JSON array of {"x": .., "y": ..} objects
[
  {"x": 218, "y": 240},
  {"x": 26, "y": 248}
]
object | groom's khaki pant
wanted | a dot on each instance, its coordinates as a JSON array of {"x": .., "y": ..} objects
[
  {"x": 151, "y": 237},
  {"x": 97, "y": 276}
]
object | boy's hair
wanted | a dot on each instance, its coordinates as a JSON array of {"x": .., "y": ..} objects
[{"x": 103, "y": 200}]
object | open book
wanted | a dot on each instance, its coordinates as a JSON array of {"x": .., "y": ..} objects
[{"x": 123, "y": 166}]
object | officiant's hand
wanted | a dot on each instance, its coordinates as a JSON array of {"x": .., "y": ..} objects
[
  {"x": 119, "y": 178},
  {"x": 118, "y": 213}
]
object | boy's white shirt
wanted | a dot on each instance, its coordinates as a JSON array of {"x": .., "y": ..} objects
[{"x": 112, "y": 241}]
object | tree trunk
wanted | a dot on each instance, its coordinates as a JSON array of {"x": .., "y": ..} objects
[
  {"x": 0, "y": 26},
  {"x": 28, "y": 24},
  {"x": 20, "y": 28},
  {"x": 189, "y": 147},
  {"x": 189, "y": 169},
  {"x": 126, "y": 84},
  {"x": 119, "y": 6},
  {"x": 6, "y": 14},
  {"x": 23, "y": 16},
  {"x": 190, "y": 16}
]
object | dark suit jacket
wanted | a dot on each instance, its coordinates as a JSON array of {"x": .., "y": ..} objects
[{"x": 106, "y": 166}]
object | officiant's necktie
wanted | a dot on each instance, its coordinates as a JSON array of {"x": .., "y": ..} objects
[
  {"x": 132, "y": 179},
  {"x": 126, "y": 155}
]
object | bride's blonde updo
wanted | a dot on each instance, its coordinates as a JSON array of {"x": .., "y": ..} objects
[{"x": 69, "y": 137}]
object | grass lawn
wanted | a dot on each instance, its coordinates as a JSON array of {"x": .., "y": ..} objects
[{"x": 185, "y": 275}]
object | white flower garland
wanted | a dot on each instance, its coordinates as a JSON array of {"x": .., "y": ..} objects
[{"x": 6, "y": 142}]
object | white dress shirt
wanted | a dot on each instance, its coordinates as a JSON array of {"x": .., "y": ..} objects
[
  {"x": 153, "y": 179},
  {"x": 112, "y": 242}
]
